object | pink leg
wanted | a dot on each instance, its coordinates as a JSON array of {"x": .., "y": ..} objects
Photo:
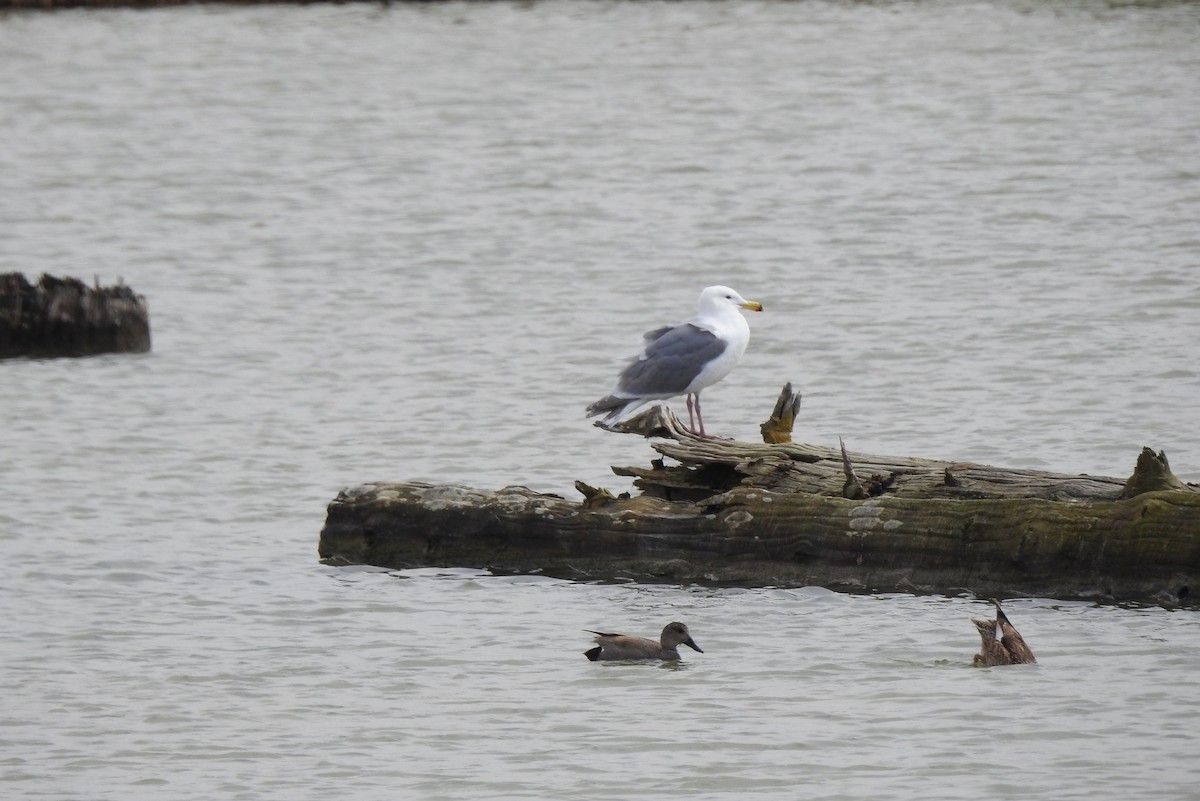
[
  {"x": 699, "y": 417},
  {"x": 691, "y": 419}
]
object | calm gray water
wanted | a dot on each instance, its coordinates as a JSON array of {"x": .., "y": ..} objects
[{"x": 414, "y": 242}]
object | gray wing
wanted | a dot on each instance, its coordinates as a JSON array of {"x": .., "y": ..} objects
[
  {"x": 674, "y": 356},
  {"x": 621, "y": 646},
  {"x": 650, "y": 336}
]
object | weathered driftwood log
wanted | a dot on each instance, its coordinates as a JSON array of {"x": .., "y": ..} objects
[
  {"x": 793, "y": 515},
  {"x": 65, "y": 317}
]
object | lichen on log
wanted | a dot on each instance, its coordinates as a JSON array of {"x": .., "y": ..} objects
[
  {"x": 778, "y": 515},
  {"x": 65, "y": 317},
  {"x": 1152, "y": 474}
]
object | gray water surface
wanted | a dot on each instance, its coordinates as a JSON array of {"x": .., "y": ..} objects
[{"x": 415, "y": 242}]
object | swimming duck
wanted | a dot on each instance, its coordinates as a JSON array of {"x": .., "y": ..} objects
[
  {"x": 621, "y": 646},
  {"x": 1010, "y": 649}
]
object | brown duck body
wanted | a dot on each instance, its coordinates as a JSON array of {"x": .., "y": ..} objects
[
  {"x": 623, "y": 646},
  {"x": 1008, "y": 649}
]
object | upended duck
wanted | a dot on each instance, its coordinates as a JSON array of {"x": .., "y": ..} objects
[
  {"x": 1009, "y": 649},
  {"x": 622, "y": 646}
]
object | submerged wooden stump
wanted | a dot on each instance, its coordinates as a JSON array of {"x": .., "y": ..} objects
[
  {"x": 65, "y": 317},
  {"x": 786, "y": 514}
]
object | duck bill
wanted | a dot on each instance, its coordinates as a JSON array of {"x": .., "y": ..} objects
[
  {"x": 690, "y": 643},
  {"x": 752, "y": 305}
]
